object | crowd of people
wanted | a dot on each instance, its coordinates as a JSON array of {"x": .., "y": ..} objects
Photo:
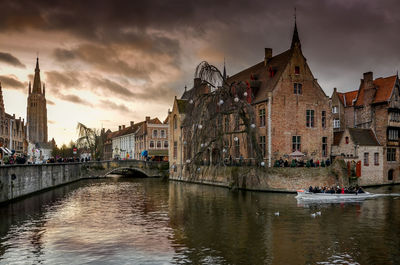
[
  {"x": 14, "y": 159},
  {"x": 336, "y": 190},
  {"x": 302, "y": 163}
]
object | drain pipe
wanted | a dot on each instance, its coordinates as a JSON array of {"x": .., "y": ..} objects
[{"x": 269, "y": 129}]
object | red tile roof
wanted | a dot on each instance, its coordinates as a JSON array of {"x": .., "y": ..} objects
[
  {"x": 348, "y": 98},
  {"x": 384, "y": 88}
]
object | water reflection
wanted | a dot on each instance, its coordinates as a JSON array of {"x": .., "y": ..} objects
[{"x": 136, "y": 221}]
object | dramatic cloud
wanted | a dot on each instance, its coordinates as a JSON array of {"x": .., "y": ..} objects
[
  {"x": 107, "y": 104},
  {"x": 11, "y": 82},
  {"x": 74, "y": 99},
  {"x": 58, "y": 79},
  {"x": 8, "y": 58},
  {"x": 135, "y": 52},
  {"x": 50, "y": 102}
]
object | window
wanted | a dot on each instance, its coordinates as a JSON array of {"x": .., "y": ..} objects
[
  {"x": 366, "y": 159},
  {"x": 376, "y": 159},
  {"x": 158, "y": 144},
  {"x": 391, "y": 154},
  {"x": 227, "y": 123},
  {"x": 237, "y": 122},
  {"x": 310, "y": 118},
  {"x": 324, "y": 146},
  {"x": 298, "y": 88},
  {"x": 165, "y": 144},
  {"x": 347, "y": 140},
  {"x": 175, "y": 149},
  {"x": 334, "y": 110},
  {"x": 262, "y": 117},
  {"x": 162, "y": 133},
  {"x": 323, "y": 119},
  {"x": 297, "y": 70},
  {"x": 336, "y": 123},
  {"x": 262, "y": 145},
  {"x": 155, "y": 133},
  {"x": 151, "y": 144},
  {"x": 393, "y": 135},
  {"x": 394, "y": 116},
  {"x": 237, "y": 148},
  {"x": 175, "y": 123},
  {"x": 296, "y": 143}
]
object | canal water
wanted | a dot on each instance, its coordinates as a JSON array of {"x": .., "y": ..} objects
[{"x": 150, "y": 221}]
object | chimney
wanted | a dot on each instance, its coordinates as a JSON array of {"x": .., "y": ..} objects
[
  {"x": 268, "y": 55},
  {"x": 132, "y": 123},
  {"x": 123, "y": 126},
  {"x": 334, "y": 90},
  {"x": 197, "y": 82},
  {"x": 147, "y": 118},
  {"x": 368, "y": 77},
  {"x": 119, "y": 128}
]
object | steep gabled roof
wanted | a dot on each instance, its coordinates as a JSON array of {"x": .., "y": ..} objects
[
  {"x": 276, "y": 64},
  {"x": 348, "y": 98},
  {"x": 363, "y": 137},
  {"x": 384, "y": 88}
]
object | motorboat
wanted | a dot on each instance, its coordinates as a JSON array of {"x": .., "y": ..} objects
[{"x": 306, "y": 195}]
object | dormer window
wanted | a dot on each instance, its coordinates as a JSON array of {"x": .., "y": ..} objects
[
  {"x": 272, "y": 72},
  {"x": 297, "y": 70}
]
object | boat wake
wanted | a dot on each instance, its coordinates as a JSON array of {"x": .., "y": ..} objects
[{"x": 303, "y": 195}]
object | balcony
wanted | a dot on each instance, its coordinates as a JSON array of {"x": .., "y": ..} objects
[
  {"x": 393, "y": 123},
  {"x": 392, "y": 143}
]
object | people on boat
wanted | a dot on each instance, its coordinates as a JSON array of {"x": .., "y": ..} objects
[{"x": 336, "y": 190}]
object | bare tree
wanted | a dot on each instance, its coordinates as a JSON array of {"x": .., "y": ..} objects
[
  {"x": 90, "y": 138},
  {"x": 208, "y": 127}
]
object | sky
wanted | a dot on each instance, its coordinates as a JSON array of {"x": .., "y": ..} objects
[{"x": 106, "y": 63}]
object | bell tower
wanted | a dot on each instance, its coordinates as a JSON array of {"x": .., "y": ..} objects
[{"x": 37, "y": 110}]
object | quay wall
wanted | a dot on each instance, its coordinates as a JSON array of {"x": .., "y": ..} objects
[
  {"x": 264, "y": 179},
  {"x": 21, "y": 180},
  {"x": 277, "y": 179}
]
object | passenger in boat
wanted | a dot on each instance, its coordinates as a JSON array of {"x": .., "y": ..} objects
[{"x": 310, "y": 189}]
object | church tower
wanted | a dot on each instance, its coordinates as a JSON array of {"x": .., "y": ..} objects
[{"x": 37, "y": 110}]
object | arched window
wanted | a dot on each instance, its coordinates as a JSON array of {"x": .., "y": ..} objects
[{"x": 175, "y": 123}]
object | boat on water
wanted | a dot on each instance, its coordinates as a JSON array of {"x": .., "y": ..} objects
[{"x": 306, "y": 195}]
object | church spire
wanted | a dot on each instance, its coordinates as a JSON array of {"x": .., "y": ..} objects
[
  {"x": 295, "y": 38},
  {"x": 36, "y": 81},
  {"x": 224, "y": 75}
]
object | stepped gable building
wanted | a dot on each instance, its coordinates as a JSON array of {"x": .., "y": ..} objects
[
  {"x": 293, "y": 112},
  {"x": 37, "y": 110},
  {"x": 12, "y": 132}
]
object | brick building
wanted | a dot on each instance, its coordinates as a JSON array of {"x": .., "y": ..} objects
[
  {"x": 343, "y": 109},
  {"x": 293, "y": 112},
  {"x": 377, "y": 107}
]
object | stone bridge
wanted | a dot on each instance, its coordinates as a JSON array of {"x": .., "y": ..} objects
[
  {"x": 20, "y": 180},
  {"x": 142, "y": 168}
]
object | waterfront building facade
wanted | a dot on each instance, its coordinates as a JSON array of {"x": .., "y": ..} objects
[
  {"x": 12, "y": 132},
  {"x": 152, "y": 136}
]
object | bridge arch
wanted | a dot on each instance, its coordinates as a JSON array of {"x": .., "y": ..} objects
[{"x": 127, "y": 171}]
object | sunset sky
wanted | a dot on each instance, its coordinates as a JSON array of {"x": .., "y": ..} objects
[{"x": 106, "y": 63}]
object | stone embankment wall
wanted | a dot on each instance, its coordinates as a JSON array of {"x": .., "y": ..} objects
[
  {"x": 267, "y": 179},
  {"x": 20, "y": 180}
]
